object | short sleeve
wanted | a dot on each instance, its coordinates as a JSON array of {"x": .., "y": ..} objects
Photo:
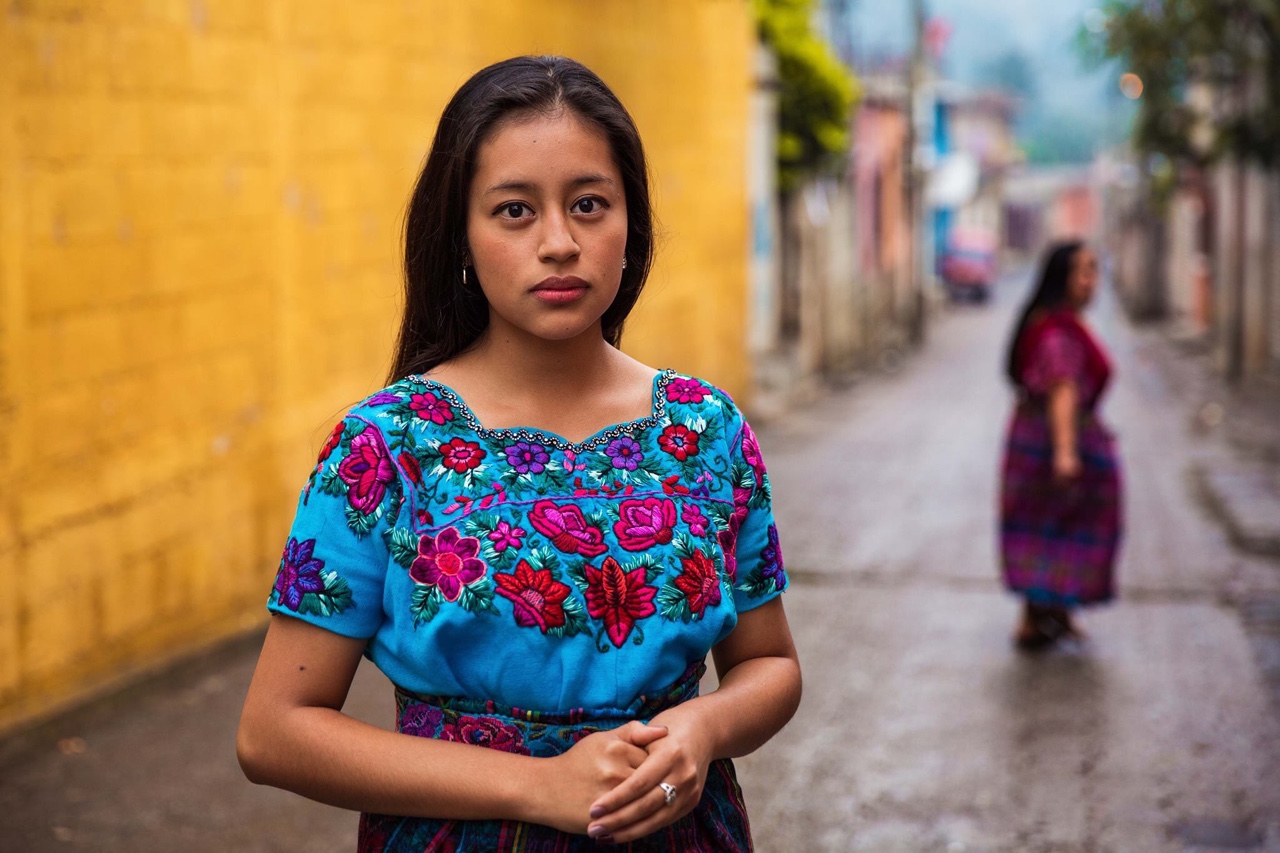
[
  {"x": 335, "y": 561},
  {"x": 1056, "y": 357},
  {"x": 758, "y": 572}
]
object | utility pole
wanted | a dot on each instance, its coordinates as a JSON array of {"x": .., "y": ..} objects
[{"x": 915, "y": 180}]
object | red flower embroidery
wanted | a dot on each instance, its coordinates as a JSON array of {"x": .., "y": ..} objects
[
  {"x": 367, "y": 470},
  {"x": 645, "y": 523},
  {"x": 618, "y": 597},
  {"x": 699, "y": 582},
  {"x": 486, "y": 732},
  {"x": 680, "y": 441},
  {"x": 411, "y": 468},
  {"x": 567, "y": 528},
  {"x": 460, "y": 455},
  {"x": 331, "y": 442},
  {"x": 537, "y": 596}
]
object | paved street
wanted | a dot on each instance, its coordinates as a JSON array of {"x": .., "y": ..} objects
[{"x": 921, "y": 729}]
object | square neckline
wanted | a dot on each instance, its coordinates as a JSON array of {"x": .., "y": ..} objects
[{"x": 607, "y": 433}]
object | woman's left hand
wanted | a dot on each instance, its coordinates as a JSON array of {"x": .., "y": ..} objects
[{"x": 638, "y": 806}]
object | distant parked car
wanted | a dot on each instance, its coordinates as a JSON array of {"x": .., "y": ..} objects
[{"x": 968, "y": 265}]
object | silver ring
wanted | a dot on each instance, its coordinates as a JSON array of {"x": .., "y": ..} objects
[{"x": 668, "y": 792}]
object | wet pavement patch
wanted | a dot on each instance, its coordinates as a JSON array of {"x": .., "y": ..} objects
[{"x": 1218, "y": 833}]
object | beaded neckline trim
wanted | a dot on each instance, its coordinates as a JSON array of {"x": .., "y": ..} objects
[{"x": 604, "y": 436}]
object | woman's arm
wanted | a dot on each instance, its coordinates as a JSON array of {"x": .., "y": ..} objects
[
  {"x": 759, "y": 692},
  {"x": 1063, "y": 403},
  {"x": 293, "y": 735}
]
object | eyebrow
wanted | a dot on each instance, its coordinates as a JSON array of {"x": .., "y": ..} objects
[{"x": 529, "y": 186}]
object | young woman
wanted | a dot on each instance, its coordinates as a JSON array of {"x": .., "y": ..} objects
[
  {"x": 536, "y": 537},
  {"x": 1060, "y": 502}
]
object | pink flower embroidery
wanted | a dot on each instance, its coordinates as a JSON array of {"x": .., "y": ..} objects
[
  {"x": 619, "y": 598},
  {"x": 367, "y": 470},
  {"x": 686, "y": 391},
  {"x": 751, "y": 452},
  {"x": 645, "y": 523},
  {"x": 567, "y": 528},
  {"x": 505, "y": 536},
  {"x": 429, "y": 407},
  {"x": 447, "y": 561}
]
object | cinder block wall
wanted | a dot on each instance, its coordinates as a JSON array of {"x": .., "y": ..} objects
[{"x": 200, "y": 204}]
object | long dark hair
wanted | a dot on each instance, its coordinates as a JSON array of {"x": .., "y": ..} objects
[
  {"x": 442, "y": 316},
  {"x": 1050, "y": 293}
]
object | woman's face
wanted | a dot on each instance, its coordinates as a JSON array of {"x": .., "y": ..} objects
[
  {"x": 1083, "y": 280},
  {"x": 546, "y": 226}
]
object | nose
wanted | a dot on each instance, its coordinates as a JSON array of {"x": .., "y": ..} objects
[{"x": 558, "y": 243}]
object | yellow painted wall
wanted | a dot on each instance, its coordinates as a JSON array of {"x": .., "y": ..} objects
[{"x": 199, "y": 213}]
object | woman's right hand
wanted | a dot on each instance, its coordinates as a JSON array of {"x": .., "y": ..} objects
[
  {"x": 1066, "y": 465},
  {"x": 591, "y": 768}
]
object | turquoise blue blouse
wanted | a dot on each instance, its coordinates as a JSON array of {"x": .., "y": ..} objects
[{"x": 512, "y": 565}]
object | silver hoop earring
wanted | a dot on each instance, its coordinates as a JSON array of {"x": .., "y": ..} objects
[{"x": 464, "y": 276}]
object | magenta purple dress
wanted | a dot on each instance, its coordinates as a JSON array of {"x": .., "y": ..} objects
[{"x": 1059, "y": 541}]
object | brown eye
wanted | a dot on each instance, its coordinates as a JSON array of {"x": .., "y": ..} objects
[
  {"x": 589, "y": 205},
  {"x": 514, "y": 210}
]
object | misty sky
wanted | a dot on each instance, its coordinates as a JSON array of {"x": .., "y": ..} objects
[{"x": 1072, "y": 104}]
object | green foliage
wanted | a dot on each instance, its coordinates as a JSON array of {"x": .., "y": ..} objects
[
  {"x": 816, "y": 92},
  {"x": 1232, "y": 46}
]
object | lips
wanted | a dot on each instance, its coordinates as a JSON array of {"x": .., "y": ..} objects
[
  {"x": 558, "y": 283},
  {"x": 559, "y": 290}
]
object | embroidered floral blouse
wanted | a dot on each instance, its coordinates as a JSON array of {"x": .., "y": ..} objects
[{"x": 512, "y": 565}]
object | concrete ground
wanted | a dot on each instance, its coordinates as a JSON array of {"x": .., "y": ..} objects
[{"x": 921, "y": 729}]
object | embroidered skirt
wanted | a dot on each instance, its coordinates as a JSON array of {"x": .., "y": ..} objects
[
  {"x": 1058, "y": 541},
  {"x": 718, "y": 823}
]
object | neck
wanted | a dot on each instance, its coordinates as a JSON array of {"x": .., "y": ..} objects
[{"x": 518, "y": 363}]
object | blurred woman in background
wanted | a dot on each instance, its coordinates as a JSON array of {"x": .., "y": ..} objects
[{"x": 1060, "y": 519}]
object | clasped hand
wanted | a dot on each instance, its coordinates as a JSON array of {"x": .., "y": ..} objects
[{"x": 607, "y": 784}]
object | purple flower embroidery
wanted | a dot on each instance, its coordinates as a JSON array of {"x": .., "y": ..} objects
[
  {"x": 771, "y": 558},
  {"x": 383, "y": 398},
  {"x": 625, "y": 453},
  {"x": 692, "y": 515},
  {"x": 505, "y": 536},
  {"x": 299, "y": 573},
  {"x": 367, "y": 470},
  {"x": 421, "y": 720},
  {"x": 429, "y": 407},
  {"x": 447, "y": 561},
  {"x": 686, "y": 391},
  {"x": 527, "y": 457}
]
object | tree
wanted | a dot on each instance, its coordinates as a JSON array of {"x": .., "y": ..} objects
[
  {"x": 1230, "y": 46},
  {"x": 816, "y": 92}
]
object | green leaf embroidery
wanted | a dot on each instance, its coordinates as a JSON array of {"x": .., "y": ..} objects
[
  {"x": 684, "y": 546},
  {"x": 478, "y": 597},
  {"x": 360, "y": 523},
  {"x": 575, "y": 620},
  {"x": 480, "y": 524},
  {"x": 673, "y": 605},
  {"x": 403, "y": 546},
  {"x": 543, "y": 557},
  {"x": 577, "y": 573},
  {"x": 335, "y": 598},
  {"x": 331, "y": 484},
  {"x": 425, "y": 604}
]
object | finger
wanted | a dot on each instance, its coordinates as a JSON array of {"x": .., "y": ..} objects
[
  {"x": 652, "y": 805},
  {"x": 641, "y": 734},
  {"x": 644, "y": 780}
]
